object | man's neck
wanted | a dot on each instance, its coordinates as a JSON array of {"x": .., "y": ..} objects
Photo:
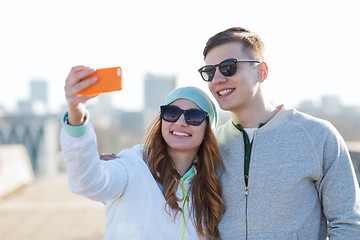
[{"x": 253, "y": 115}]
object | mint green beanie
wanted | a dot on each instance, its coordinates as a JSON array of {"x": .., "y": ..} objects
[{"x": 199, "y": 97}]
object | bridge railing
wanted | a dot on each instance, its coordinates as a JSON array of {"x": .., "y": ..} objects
[{"x": 39, "y": 135}]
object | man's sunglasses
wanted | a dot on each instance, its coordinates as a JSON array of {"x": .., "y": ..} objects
[
  {"x": 227, "y": 68},
  {"x": 171, "y": 113}
]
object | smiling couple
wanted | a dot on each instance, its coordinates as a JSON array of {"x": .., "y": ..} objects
[{"x": 270, "y": 172}]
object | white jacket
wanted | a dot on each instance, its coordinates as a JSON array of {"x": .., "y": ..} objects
[{"x": 135, "y": 204}]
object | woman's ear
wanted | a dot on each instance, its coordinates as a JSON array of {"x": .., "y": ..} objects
[{"x": 263, "y": 72}]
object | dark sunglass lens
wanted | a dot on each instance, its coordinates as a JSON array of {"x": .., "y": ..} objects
[
  {"x": 171, "y": 113},
  {"x": 207, "y": 73},
  {"x": 194, "y": 117},
  {"x": 227, "y": 68}
]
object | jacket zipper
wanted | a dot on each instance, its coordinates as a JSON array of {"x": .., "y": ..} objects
[
  {"x": 246, "y": 208},
  {"x": 246, "y": 180},
  {"x": 247, "y": 157},
  {"x": 247, "y": 184},
  {"x": 186, "y": 199}
]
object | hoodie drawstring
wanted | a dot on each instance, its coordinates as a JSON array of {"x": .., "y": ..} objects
[{"x": 186, "y": 198}]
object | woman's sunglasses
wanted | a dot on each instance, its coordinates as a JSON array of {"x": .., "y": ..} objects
[
  {"x": 171, "y": 113},
  {"x": 227, "y": 68}
]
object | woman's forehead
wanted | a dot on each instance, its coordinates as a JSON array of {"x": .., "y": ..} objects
[{"x": 184, "y": 104}]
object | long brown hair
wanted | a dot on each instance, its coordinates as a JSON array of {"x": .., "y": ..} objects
[{"x": 208, "y": 206}]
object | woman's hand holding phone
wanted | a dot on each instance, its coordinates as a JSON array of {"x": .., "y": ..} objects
[{"x": 74, "y": 84}]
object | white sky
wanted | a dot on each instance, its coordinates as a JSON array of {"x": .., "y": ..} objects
[{"x": 312, "y": 46}]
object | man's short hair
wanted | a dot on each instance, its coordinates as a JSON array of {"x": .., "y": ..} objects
[{"x": 251, "y": 42}]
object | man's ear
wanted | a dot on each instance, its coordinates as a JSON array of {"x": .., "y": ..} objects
[{"x": 263, "y": 72}]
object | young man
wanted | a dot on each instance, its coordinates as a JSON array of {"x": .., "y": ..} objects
[{"x": 287, "y": 175}]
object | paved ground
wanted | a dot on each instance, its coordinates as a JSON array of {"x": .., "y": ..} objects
[{"x": 48, "y": 210}]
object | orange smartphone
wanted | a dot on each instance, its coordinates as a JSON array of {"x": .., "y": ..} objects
[{"x": 109, "y": 80}]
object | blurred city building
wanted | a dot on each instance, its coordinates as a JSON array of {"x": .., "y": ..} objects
[
  {"x": 39, "y": 91},
  {"x": 156, "y": 88},
  {"x": 38, "y": 102}
]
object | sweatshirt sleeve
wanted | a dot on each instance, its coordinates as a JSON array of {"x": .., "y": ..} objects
[
  {"x": 87, "y": 174},
  {"x": 339, "y": 189}
]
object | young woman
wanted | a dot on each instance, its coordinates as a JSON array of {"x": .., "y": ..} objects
[{"x": 166, "y": 188}]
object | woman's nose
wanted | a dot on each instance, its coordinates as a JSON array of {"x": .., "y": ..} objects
[{"x": 181, "y": 121}]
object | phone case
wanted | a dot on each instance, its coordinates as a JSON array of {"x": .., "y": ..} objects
[{"x": 109, "y": 80}]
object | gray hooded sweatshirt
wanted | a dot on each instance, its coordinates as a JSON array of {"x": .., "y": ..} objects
[{"x": 301, "y": 184}]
